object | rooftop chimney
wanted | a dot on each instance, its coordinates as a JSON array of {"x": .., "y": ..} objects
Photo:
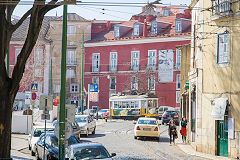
[{"x": 108, "y": 25}]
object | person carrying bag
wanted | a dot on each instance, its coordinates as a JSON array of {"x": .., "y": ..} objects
[{"x": 183, "y": 130}]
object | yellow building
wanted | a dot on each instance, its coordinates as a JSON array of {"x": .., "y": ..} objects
[{"x": 214, "y": 93}]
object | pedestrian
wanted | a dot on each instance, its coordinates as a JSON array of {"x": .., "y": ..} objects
[
  {"x": 172, "y": 131},
  {"x": 183, "y": 130}
]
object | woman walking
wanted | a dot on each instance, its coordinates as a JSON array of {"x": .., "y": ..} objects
[
  {"x": 172, "y": 131},
  {"x": 183, "y": 130}
]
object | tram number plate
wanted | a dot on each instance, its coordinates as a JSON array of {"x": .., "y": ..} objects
[{"x": 147, "y": 129}]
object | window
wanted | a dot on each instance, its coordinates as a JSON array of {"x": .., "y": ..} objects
[
  {"x": 56, "y": 88},
  {"x": 113, "y": 61},
  {"x": 136, "y": 29},
  {"x": 178, "y": 26},
  {"x": 38, "y": 72},
  {"x": 74, "y": 88},
  {"x": 151, "y": 82},
  {"x": 70, "y": 73},
  {"x": 70, "y": 29},
  {"x": 17, "y": 52},
  {"x": 134, "y": 83},
  {"x": 39, "y": 87},
  {"x": 116, "y": 31},
  {"x": 178, "y": 59},
  {"x": 71, "y": 57},
  {"x": 223, "y": 48},
  {"x": 178, "y": 97},
  {"x": 178, "y": 80},
  {"x": 113, "y": 83},
  {"x": 38, "y": 59},
  {"x": 152, "y": 59},
  {"x": 95, "y": 62},
  {"x": 154, "y": 28},
  {"x": 166, "y": 12},
  {"x": 95, "y": 80},
  {"x": 135, "y": 60}
]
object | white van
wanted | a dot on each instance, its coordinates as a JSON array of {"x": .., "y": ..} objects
[{"x": 162, "y": 109}]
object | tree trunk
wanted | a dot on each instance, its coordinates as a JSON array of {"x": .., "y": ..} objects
[{"x": 6, "y": 103}]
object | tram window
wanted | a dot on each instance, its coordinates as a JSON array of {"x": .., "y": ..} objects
[
  {"x": 155, "y": 103},
  {"x": 115, "y": 105},
  {"x": 136, "y": 106}
]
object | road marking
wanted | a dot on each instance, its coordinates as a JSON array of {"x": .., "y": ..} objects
[{"x": 1, "y": 128}]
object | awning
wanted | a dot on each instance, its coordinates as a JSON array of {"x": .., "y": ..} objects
[{"x": 219, "y": 108}]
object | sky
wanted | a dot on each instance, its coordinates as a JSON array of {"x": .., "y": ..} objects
[{"x": 96, "y": 11}]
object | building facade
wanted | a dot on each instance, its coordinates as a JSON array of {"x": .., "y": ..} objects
[
  {"x": 138, "y": 56},
  {"x": 213, "y": 78}
]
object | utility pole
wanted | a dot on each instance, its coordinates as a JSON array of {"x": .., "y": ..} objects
[
  {"x": 82, "y": 85},
  {"x": 51, "y": 85},
  {"x": 8, "y": 55},
  {"x": 61, "y": 140}
]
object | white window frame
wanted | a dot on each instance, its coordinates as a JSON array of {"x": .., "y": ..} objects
[
  {"x": 178, "y": 26},
  {"x": 166, "y": 12},
  {"x": 223, "y": 54},
  {"x": 116, "y": 31},
  {"x": 95, "y": 80},
  {"x": 76, "y": 88},
  {"x": 71, "y": 29},
  {"x": 111, "y": 81},
  {"x": 71, "y": 57},
  {"x": 178, "y": 99},
  {"x": 113, "y": 61},
  {"x": 57, "y": 88},
  {"x": 134, "y": 83},
  {"x": 135, "y": 55},
  {"x": 178, "y": 59},
  {"x": 178, "y": 81},
  {"x": 152, "y": 59},
  {"x": 97, "y": 63},
  {"x": 17, "y": 52},
  {"x": 154, "y": 28},
  {"x": 151, "y": 79},
  {"x": 136, "y": 28},
  {"x": 38, "y": 57},
  {"x": 70, "y": 73}
]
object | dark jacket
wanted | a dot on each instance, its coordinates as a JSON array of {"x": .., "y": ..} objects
[
  {"x": 184, "y": 124},
  {"x": 171, "y": 129}
]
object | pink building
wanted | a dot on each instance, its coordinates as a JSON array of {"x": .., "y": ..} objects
[{"x": 138, "y": 56}]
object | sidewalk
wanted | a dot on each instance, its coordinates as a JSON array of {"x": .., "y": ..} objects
[{"x": 188, "y": 149}]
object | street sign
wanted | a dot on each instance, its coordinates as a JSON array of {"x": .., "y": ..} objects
[
  {"x": 187, "y": 84},
  {"x": 34, "y": 87},
  {"x": 34, "y": 96},
  {"x": 28, "y": 98},
  {"x": 46, "y": 102},
  {"x": 45, "y": 116},
  {"x": 93, "y": 88},
  {"x": 93, "y": 96},
  {"x": 70, "y": 110},
  {"x": 68, "y": 130}
]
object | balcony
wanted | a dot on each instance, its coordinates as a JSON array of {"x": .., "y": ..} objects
[{"x": 222, "y": 7}]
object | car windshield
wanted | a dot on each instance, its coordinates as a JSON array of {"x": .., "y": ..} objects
[
  {"x": 81, "y": 119},
  {"x": 90, "y": 153},
  {"x": 71, "y": 140},
  {"x": 39, "y": 131},
  {"x": 141, "y": 121},
  {"x": 103, "y": 110},
  {"x": 170, "y": 112}
]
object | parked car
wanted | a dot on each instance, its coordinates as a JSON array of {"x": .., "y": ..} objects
[
  {"x": 162, "y": 109},
  {"x": 167, "y": 115},
  {"x": 102, "y": 112},
  {"x": 147, "y": 127},
  {"x": 86, "y": 123},
  {"x": 51, "y": 146},
  {"x": 88, "y": 151},
  {"x": 91, "y": 112},
  {"x": 35, "y": 134},
  {"x": 75, "y": 128}
]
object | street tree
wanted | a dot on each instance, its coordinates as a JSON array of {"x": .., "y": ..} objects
[{"x": 9, "y": 84}]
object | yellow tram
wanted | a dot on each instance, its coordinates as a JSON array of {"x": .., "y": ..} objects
[{"x": 133, "y": 106}]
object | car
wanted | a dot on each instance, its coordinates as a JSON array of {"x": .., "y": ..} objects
[
  {"x": 88, "y": 151},
  {"x": 86, "y": 123},
  {"x": 168, "y": 115},
  {"x": 75, "y": 128},
  {"x": 101, "y": 112},
  {"x": 162, "y": 109},
  {"x": 91, "y": 112},
  {"x": 36, "y": 132},
  {"x": 51, "y": 146},
  {"x": 147, "y": 127},
  {"x": 105, "y": 114}
]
